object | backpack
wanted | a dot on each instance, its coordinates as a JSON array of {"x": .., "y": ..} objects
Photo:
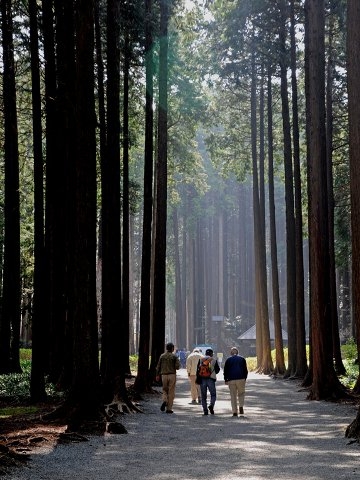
[{"x": 205, "y": 367}]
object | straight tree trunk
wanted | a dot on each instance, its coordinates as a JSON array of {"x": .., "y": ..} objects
[
  {"x": 51, "y": 119},
  {"x": 141, "y": 381},
  {"x": 10, "y": 314},
  {"x": 353, "y": 63},
  {"x": 325, "y": 383},
  {"x": 60, "y": 198},
  {"x": 84, "y": 396},
  {"x": 126, "y": 213},
  {"x": 301, "y": 361},
  {"x": 180, "y": 314},
  {"x": 289, "y": 200},
  {"x": 279, "y": 347},
  {"x": 339, "y": 366},
  {"x": 262, "y": 325},
  {"x": 37, "y": 384},
  {"x": 159, "y": 297},
  {"x": 112, "y": 362}
]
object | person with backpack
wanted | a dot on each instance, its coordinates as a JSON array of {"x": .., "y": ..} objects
[
  {"x": 206, "y": 372},
  {"x": 166, "y": 368},
  {"x": 235, "y": 375}
]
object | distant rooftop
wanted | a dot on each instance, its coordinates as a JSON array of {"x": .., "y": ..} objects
[{"x": 250, "y": 334}]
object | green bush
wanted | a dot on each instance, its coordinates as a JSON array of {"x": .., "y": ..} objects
[
  {"x": 133, "y": 363},
  {"x": 16, "y": 384},
  {"x": 349, "y": 356}
]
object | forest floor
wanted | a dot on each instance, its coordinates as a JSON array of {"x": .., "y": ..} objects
[{"x": 282, "y": 436}]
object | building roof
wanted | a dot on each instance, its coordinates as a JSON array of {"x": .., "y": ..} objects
[{"x": 250, "y": 334}]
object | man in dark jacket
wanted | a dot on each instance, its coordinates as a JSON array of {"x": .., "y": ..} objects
[{"x": 235, "y": 375}]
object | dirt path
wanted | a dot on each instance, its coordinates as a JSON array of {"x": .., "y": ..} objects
[{"x": 282, "y": 436}]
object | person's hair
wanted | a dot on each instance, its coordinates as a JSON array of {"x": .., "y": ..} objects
[
  {"x": 169, "y": 347},
  {"x": 209, "y": 351},
  {"x": 196, "y": 350},
  {"x": 234, "y": 351}
]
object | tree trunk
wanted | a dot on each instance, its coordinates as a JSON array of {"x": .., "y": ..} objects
[
  {"x": 339, "y": 366},
  {"x": 325, "y": 383},
  {"x": 141, "y": 381},
  {"x": 52, "y": 172},
  {"x": 126, "y": 213},
  {"x": 112, "y": 361},
  {"x": 353, "y": 61},
  {"x": 301, "y": 361},
  {"x": 279, "y": 347},
  {"x": 159, "y": 297},
  {"x": 289, "y": 200},
  {"x": 37, "y": 383},
  {"x": 262, "y": 324},
  {"x": 10, "y": 315}
]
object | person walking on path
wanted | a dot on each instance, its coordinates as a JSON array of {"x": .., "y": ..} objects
[
  {"x": 207, "y": 369},
  {"x": 235, "y": 375},
  {"x": 166, "y": 368},
  {"x": 191, "y": 367}
]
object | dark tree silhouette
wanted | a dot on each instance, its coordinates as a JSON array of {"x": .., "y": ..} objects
[
  {"x": 141, "y": 381},
  {"x": 353, "y": 64},
  {"x": 37, "y": 386},
  {"x": 159, "y": 296},
  {"x": 10, "y": 314}
]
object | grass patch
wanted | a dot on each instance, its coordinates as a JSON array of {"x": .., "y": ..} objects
[{"x": 16, "y": 411}]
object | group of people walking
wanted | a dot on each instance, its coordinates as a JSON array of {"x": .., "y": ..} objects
[{"x": 202, "y": 371}]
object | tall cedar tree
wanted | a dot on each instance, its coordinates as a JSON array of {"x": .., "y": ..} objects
[
  {"x": 289, "y": 196},
  {"x": 112, "y": 374},
  {"x": 279, "y": 350},
  {"x": 51, "y": 358},
  {"x": 83, "y": 400},
  {"x": 60, "y": 224},
  {"x": 84, "y": 392},
  {"x": 266, "y": 360},
  {"x": 10, "y": 312},
  {"x": 353, "y": 64},
  {"x": 325, "y": 383},
  {"x": 37, "y": 384},
  {"x": 330, "y": 72},
  {"x": 301, "y": 361},
  {"x": 159, "y": 297},
  {"x": 142, "y": 381},
  {"x": 126, "y": 210},
  {"x": 262, "y": 325}
]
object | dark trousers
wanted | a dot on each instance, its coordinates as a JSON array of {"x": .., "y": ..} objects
[{"x": 207, "y": 383}]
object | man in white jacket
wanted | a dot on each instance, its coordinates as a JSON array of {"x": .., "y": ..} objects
[{"x": 191, "y": 366}]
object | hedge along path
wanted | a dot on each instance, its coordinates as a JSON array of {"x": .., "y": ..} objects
[{"x": 281, "y": 436}]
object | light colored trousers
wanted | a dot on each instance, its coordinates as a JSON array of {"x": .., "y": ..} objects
[
  {"x": 195, "y": 388},
  {"x": 237, "y": 393},
  {"x": 168, "y": 389}
]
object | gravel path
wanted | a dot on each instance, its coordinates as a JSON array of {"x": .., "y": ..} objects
[{"x": 282, "y": 436}]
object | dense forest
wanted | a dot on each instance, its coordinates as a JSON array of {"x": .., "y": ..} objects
[{"x": 180, "y": 171}]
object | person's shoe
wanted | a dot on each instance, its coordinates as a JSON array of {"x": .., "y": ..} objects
[
  {"x": 163, "y": 405},
  {"x": 206, "y": 412},
  {"x": 241, "y": 410},
  {"x": 199, "y": 400},
  {"x": 193, "y": 402},
  {"x": 234, "y": 414},
  {"x": 211, "y": 409},
  {"x": 169, "y": 411}
]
